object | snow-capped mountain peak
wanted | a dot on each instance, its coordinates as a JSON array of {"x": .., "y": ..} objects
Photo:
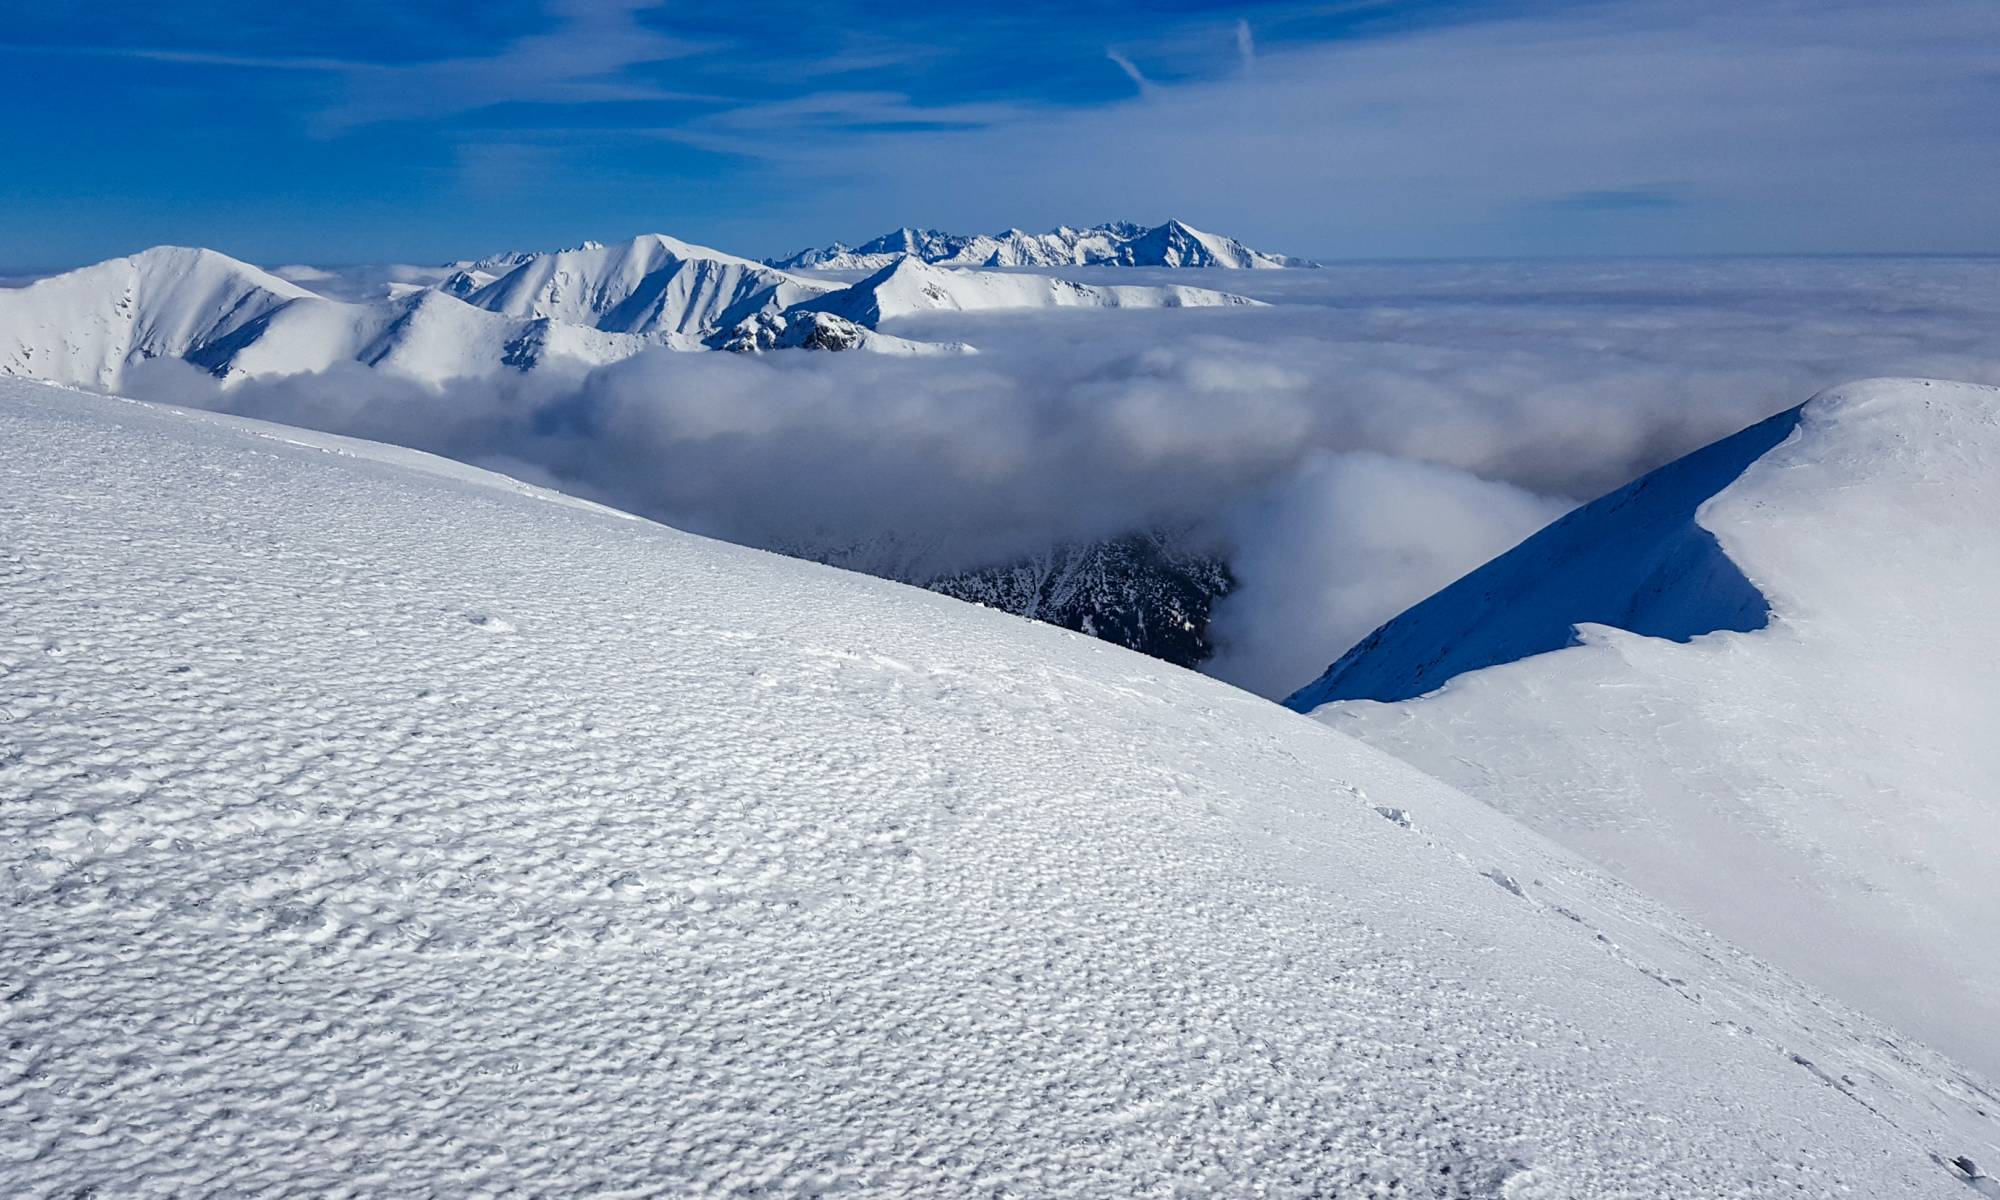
[
  {"x": 650, "y": 284},
  {"x": 88, "y": 325},
  {"x": 1115, "y": 243},
  {"x": 1178, "y": 244}
]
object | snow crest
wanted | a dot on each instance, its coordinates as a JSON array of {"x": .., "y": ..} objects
[{"x": 1816, "y": 776}]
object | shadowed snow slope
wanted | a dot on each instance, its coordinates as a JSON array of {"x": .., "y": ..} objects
[
  {"x": 1821, "y": 784},
  {"x": 375, "y": 824},
  {"x": 1636, "y": 559}
]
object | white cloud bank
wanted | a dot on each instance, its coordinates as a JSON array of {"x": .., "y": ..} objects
[{"x": 1378, "y": 432}]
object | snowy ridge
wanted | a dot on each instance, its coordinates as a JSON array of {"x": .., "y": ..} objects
[
  {"x": 1812, "y": 771},
  {"x": 652, "y": 284},
  {"x": 469, "y": 275},
  {"x": 426, "y": 335},
  {"x": 909, "y": 286},
  {"x": 87, "y": 325},
  {"x": 1119, "y": 243},
  {"x": 375, "y": 824}
]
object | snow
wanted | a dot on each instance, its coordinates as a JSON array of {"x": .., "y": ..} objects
[
  {"x": 1122, "y": 243},
  {"x": 86, "y": 326},
  {"x": 587, "y": 306},
  {"x": 909, "y": 286},
  {"x": 650, "y": 284},
  {"x": 1801, "y": 756},
  {"x": 1636, "y": 559},
  {"x": 427, "y": 336},
  {"x": 377, "y": 825}
]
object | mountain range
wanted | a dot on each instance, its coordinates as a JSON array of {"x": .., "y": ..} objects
[{"x": 1119, "y": 243}]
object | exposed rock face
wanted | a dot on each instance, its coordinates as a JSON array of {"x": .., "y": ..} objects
[{"x": 1148, "y": 592}]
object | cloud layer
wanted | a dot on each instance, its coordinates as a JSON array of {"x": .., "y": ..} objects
[{"x": 1378, "y": 432}]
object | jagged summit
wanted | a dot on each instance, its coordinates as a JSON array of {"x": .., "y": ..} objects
[
  {"x": 909, "y": 285},
  {"x": 1115, "y": 243}
]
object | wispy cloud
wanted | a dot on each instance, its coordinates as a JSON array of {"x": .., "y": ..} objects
[
  {"x": 779, "y": 129},
  {"x": 1467, "y": 138},
  {"x": 1130, "y": 68},
  {"x": 1337, "y": 127},
  {"x": 583, "y": 58}
]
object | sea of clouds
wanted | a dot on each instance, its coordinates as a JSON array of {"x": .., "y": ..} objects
[{"x": 1375, "y": 433}]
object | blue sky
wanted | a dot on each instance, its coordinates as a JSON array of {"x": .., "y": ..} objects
[{"x": 1355, "y": 128}]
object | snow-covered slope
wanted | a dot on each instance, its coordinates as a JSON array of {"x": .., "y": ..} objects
[
  {"x": 86, "y": 326},
  {"x": 376, "y": 825},
  {"x": 652, "y": 284},
  {"x": 909, "y": 286},
  {"x": 1814, "y": 773},
  {"x": 426, "y": 335},
  {"x": 1119, "y": 243}
]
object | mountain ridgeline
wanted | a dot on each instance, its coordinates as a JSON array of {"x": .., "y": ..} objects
[
  {"x": 595, "y": 304},
  {"x": 1116, "y": 244}
]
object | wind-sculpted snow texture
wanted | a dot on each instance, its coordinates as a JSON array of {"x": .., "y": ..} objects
[
  {"x": 377, "y": 826},
  {"x": 1821, "y": 785}
]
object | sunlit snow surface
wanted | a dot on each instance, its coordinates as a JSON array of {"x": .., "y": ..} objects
[
  {"x": 1821, "y": 785},
  {"x": 376, "y": 826}
]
